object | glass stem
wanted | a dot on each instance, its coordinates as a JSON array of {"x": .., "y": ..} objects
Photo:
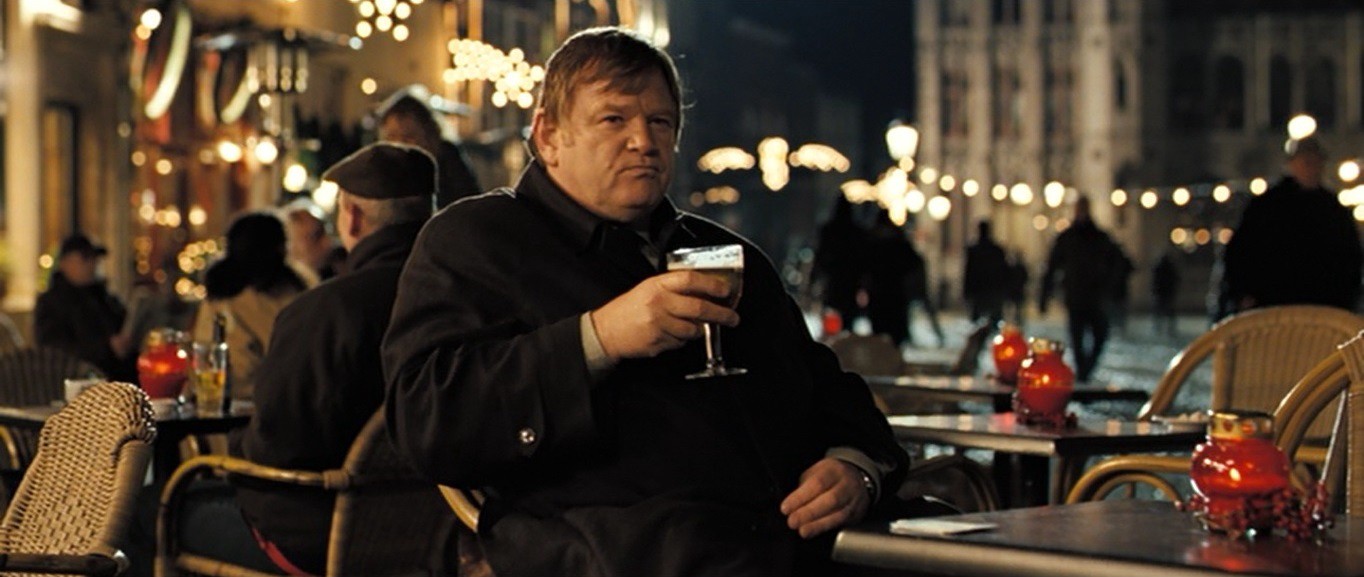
[{"x": 713, "y": 360}]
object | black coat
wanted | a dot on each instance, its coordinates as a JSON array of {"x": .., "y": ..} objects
[
  {"x": 1294, "y": 246},
  {"x": 80, "y": 321},
  {"x": 318, "y": 384},
  {"x": 643, "y": 472},
  {"x": 1089, "y": 264}
]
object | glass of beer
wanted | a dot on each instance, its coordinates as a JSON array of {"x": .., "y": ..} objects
[
  {"x": 725, "y": 261},
  {"x": 207, "y": 378}
]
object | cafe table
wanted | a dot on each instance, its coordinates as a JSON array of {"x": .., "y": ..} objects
[
  {"x": 905, "y": 392},
  {"x": 1116, "y": 538},
  {"x": 1036, "y": 445},
  {"x": 171, "y": 428}
]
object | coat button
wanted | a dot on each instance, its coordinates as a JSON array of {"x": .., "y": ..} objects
[{"x": 527, "y": 436}]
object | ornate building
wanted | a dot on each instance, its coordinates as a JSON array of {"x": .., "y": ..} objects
[{"x": 1116, "y": 99}]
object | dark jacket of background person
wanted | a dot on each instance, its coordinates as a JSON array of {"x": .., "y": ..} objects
[
  {"x": 80, "y": 320},
  {"x": 642, "y": 472},
  {"x": 986, "y": 280},
  {"x": 840, "y": 260},
  {"x": 455, "y": 179},
  {"x": 1088, "y": 263},
  {"x": 1165, "y": 281},
  {"x": 896, "y": 275},
  {"x": 1294, "y": 246},
  {"x": 324, "y": 382}
]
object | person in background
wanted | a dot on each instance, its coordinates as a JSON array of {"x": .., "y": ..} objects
[
  {"x": 1295, "y": 244},
  {"x": 840, "y": 261},
  {"x": 79, "y": 315},
  {"x": 321, "y": 379},
  {"x": 1164, "y": 291},
  {"x": 310, "y": 239},
  {"x": 406, "y": 116},
  {"x": 1018, "y": 287},
  {"x": 249, "y": 285},
  {"x": 539, "y": 350},
  {"x": 1087, "y": 261},
  {"x": 985, "y": 282},
  {"x": 1122, "y": 280}
]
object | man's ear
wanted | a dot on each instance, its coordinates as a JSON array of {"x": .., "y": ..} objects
[
  {"x": 544, "y": 135},
  {"x": 357, "y": 217}
]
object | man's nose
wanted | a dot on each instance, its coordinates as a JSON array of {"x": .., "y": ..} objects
[{"x": 641, "y": 138}]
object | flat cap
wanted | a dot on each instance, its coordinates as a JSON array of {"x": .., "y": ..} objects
[
  {"x": 80, "y": 243},
  {"x": 1305, "y": 145},
  {"x": 385, "y": 170}
]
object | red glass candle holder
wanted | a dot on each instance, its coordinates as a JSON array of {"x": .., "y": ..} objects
[
  {"x": 1008, "y": 349},
  {"x": 1045, "y": 384},
  {"x": 163, "y": 366},
  {"x": 1237, "y": 471}
]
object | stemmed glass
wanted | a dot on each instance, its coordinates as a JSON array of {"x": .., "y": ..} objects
[{"x": 726, "y": 261}]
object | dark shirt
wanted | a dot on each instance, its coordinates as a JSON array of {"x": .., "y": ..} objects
[
  {"x": 642, "y": 472},
  {"x": 80, "y": 321},
  {"x": 318, "y": 384},
  {"x": 1294, "y": 246}
]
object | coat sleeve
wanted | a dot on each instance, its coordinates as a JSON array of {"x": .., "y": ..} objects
[{"x": 475, "y": 391}]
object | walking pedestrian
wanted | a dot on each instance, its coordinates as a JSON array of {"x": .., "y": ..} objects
[
  {"x": 1087, "y": 261},
  {"x": 1164, "y": 289},
  {"x": 985, "y": 282}
]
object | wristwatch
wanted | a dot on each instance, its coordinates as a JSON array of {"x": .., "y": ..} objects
[{"x": 868, "y": 483}]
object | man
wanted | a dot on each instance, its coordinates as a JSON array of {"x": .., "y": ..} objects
[
  {"x": 320, "y": 381},
  {"x": 407, "y": 117},
  {"x": 1295, "y": 244},
  {"x": 310, "y": 241},
  {"x": 985, "y": 282},
  {"x": 77, "y": 313},
  {"x": 545, "y": 359},
  {"x": 1087, "y": 261}
]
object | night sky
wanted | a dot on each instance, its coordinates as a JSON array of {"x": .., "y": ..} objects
[{"x": 863, "y": 48}]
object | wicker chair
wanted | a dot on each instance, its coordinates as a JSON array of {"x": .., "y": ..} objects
[
  {"x": 867, "y": 354},
  {"x": 1342, "y": 472},
  {"x": 79, "y": 494},
  {"x": 1304, "y": 404},
  {"x": 387, "y": 519},
  {"x": 34, "y": 377},
  {"x": 1256, "y": 357}
]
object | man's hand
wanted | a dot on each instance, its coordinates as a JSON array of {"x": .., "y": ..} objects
[
  {"x": 830, "y": 495},
  {"x": 662, "y": 313}
]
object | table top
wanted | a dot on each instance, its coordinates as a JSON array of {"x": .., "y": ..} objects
[
  {"x": 1100, "y": 539},
  {"x": 987, "y": 388},
  {"x": 182, "y": 421},
  {"x": 1003, "y": 432}
]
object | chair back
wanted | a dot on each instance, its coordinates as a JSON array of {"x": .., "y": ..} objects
[
  {"x": 34, "y": 377},
  {"x": 11, "y": 339},
  {"x": 78, "y": 496},
  {"x": 1346, "y": 454},
  {"x": 867, "y": 354},
  {"x": 388, "y": 520},
  {"x": 1305, "y": 404},
  {"x": 1257, "y": 356},
  {"x": 968, "y": 360}
]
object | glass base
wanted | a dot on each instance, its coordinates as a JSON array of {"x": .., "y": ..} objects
[{"x": 711, "y": 372}]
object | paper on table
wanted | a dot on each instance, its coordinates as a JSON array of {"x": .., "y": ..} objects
[{"x": 937, "y": 527}]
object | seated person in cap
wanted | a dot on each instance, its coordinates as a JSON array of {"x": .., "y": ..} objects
[
  {"x": 77, "y": 313},
  {"x": 320, "y": 380}
]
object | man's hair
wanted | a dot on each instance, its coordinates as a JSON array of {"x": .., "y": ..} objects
[
  {"x": 387, "y": 212},
  {"x": 622, "y": 57}
]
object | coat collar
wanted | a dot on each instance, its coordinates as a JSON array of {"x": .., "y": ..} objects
[
  {"x": 388, "y": 245},
  {"x": 588, "y": 231}
]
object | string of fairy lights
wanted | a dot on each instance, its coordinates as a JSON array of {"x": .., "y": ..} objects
[{"x": 903, "y": 191}]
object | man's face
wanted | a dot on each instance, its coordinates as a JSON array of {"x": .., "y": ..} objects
[
  {"x": 402, "y": 128},
  {"x": 1306, "y": 168},
  {"x": 612, "y": 151},
  {"x": 79, "y": 268}
]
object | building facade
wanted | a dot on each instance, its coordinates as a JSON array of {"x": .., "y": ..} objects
[{"x": 1116, "y": 99}]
